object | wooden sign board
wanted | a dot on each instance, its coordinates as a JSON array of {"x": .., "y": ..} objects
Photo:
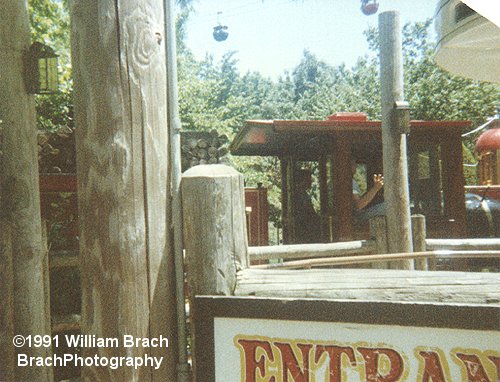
[{"x": 263, "y": 340}]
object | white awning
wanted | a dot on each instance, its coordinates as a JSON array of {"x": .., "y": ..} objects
[{"x": 468, "y": 43}]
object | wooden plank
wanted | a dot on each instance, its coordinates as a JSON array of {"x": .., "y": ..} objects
[
  {"x": 297, "y": 251},
  {"x": 20, "y": 200},
  {"x": 128, "y": 282},
  {"x": 372, "y": 285},
  {"x": 463, "y": 244},
  {"x": 70, "y": 322}
]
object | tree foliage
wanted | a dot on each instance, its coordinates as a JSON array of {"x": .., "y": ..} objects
[{"x": 215, "y": 95}]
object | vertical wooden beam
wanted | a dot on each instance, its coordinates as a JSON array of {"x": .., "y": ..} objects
[
  {"x": 7, "y": 350},
  {"x": 342, "y": 189},
  {"x": 323, "y": 198},
  {"x": 378, "y": 231},
  {"x": 128, "y": 282},
  {"x": 454, "y": 183},
  {"x": 419, "y": 233},
  {"x": 290, "y": 200},
  {"x": 393, "y": 141},
  {"x": 284, "y": 199},
  {"x": 215, "y": 237},
  {"x": 20, "y": 200}
]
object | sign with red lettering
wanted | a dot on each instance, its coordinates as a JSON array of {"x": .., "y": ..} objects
[{"x": 275, "y": 340}]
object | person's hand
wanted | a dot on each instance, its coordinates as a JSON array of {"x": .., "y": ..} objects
[{"x": 378, "y": 181}]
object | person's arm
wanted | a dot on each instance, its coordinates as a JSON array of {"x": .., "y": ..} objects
[{"x": 361, "y": 202}]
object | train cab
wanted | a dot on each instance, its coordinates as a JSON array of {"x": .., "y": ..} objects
[{"x": 329, "y": 147}]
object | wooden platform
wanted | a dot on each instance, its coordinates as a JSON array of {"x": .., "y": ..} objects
[{"x": 372, "y": 285}]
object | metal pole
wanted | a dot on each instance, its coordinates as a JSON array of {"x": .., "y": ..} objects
[
  {"x": 183, "y": 369},
  {"x": 396, "y": 192}
]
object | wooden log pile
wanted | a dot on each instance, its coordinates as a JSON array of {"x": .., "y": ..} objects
[{"x": 203, "y": 148}]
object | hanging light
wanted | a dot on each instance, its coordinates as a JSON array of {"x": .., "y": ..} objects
[
  {"x": 369, "y": 7},
  {"x": 42, "y": 69},
  {"x": 220, "y": 31}
]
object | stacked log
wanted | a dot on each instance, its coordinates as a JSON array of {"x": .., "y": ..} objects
[{"x": 203, "y": 148}]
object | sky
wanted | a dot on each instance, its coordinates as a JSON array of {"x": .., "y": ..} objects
[{"x": 270, "y": 36}]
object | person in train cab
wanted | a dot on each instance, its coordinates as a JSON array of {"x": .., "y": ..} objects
[
  {"x": 362, "y": 210},
  {"x": 307, "y": 226}
]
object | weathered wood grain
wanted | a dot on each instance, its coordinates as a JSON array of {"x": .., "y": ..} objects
[
  {"x": 7, "y": 351},
  {"x": 463, "y": 244},
  {"x": 214, "y": 228},
  {"x": 372, "y": 285},
  {"x": 396, "y": 193},
  {"x": 215, "y": 238},
  {"x": 418, "y": 239},
  {"x": 128, "y": 285},
  {"x": 20, "y": 201}
]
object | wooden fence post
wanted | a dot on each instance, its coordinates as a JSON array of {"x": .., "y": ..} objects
[
  {"x": 20, "y": 201},
  {"x": 215, "y": 236},
  {"x": 7, "y": 350},
  {"x": 128, "y": 279},
  {"x": 378, "y": 231},
  {"x": 419, "y": 234},
  {"x": 214, "y": 228}
]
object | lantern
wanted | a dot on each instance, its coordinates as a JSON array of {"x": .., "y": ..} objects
[{"x": 42, "y": 69}]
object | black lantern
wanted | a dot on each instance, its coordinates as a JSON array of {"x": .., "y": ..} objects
[{"x": 42, "y": 69}]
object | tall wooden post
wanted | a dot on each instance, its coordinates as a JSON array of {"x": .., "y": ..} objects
[
  {"x": 342, "y": 189},
  {"x": 393, "y": 140},
  {"x": 128, "y": 282},
  {"x": 7, "y": 350},
  {"x": 215, "y": 237},
  {"x": 20, "y": 201},
  {"x": 419, "y": 234}
]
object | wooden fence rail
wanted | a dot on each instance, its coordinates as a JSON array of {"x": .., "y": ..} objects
[
  {"x": 370, "y": 259},
  {"x": 463, "y": 244},
  {"x": 297, "y": 251}
]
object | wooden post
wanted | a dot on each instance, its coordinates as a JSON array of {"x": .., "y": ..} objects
[
  {"x": 323, "y": 199},
  {"x": 378, "y": 231},
  {"x": 127, "y": 265},
  {"x": 454, "y": 183},
  {"x": 393, "y": 140},
  {"x": 20, "y": 199},
  {"x": 342, "y": 189},
  {"x": 7, "y": 350},
  {"x": 291, "y": 204},
  {"x": 284, "y": 199},
  {"x": 419, "y": 233},
  {"x": 214, "y": 230}
]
